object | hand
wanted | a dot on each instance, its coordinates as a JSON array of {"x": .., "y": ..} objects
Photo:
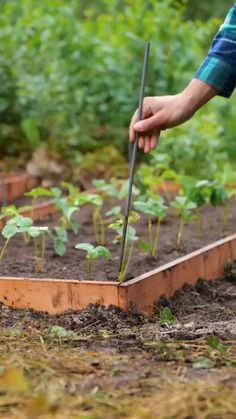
[{"x": 160, "y": 113}]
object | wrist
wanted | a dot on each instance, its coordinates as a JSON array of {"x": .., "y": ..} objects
[{"x": 197, "y": 94}]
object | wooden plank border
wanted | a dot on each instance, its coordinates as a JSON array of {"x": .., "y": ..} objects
[{"x": 58, "y": 295}]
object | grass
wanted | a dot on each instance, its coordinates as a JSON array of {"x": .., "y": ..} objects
[{"x": 70, "y": 376}]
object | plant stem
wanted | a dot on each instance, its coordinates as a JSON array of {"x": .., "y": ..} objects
[
  {"x": 121, "y": 273},
  {"x": 89, "y": 269},
  {"x": 102, "y": 229},
  {"x": 199, "y": 223},
  {"x": 150, "y": 232},
  {"x": 32, "y": 206},
  {"x": 180, "y": 232},
  {"x": 226, "y": 215},
  {"x": 128, "y": 260},
  {"x": 3, "y": 249},
  {"x": 154, "y": 249},
  {"x": 37, "y": 263},
  {"x": 42, "y": 250},
  {"x": 95, "y": 227}
]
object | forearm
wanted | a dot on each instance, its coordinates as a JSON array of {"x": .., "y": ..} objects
[{"x": 197, "y": 94}]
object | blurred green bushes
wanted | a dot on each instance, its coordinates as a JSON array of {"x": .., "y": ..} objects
[{"x": 70, "y": 74}]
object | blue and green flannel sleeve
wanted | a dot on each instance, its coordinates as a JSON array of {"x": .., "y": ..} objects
[{"x": 219, "y": 68}]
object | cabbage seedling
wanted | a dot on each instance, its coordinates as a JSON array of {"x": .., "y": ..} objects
[
  {"x": 184, "y": 208},
  {"x": 93, "y": 253},
  {"x": 36, "y": 193},
  {"x": 130, "y": 239},
  {"x": 20, "y": 224},
  {"x": 154, "y": 207}
]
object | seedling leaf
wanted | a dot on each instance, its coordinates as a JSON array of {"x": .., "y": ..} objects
[
  {"x": 215, "y": 343},
  {"x": 166, "y": 316},
  {"x": 204, "y": 362},
  {"x": 59, "y": 247},
  {"x": 84, "y": 246}
]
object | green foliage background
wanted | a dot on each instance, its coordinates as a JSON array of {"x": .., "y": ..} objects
[{"x": 70, "y": 73}]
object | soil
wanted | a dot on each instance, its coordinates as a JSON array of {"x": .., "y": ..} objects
[
  {"x": 19, "y": 258},
  {"x": 104, "y": 363}
]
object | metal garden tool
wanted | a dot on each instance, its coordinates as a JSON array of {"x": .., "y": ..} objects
[{"x": 133, "y": 158}]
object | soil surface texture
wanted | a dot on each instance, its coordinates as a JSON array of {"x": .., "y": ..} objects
[{"x": 104, "y": 363}]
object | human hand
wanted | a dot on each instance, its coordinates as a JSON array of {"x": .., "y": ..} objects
[{"x": 162, "y": 112}]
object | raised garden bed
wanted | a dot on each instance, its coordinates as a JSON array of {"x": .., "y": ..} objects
[
  {"x": 62, "y": 285},
  {"x": 14, "y": 185}
]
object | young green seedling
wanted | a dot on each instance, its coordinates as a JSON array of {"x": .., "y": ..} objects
[
  {"x": 198, "y": 192},
  {"x": 11, "y": 211},
  {"x": 96, "y": 202},
  {"x": 66, "y": 211},
  {"x": 153, "y": 207},
  {"x": 184, "y": 208},
  {"x": 93, "y": 253},
  {"x": 130, "y": 239},
  {"x": 36, "y": 193},
  {"x": 20, "y": 224},
  {"x": 220, "y": 196}
]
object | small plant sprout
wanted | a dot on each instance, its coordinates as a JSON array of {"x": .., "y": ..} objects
[
  {"x": 96, "y": 202},
  {"x": 36, "y": 193},
  {"x": 93, "y": 253},
  {"x": 220, "y": 196},
  {"x": 198, "y": 192},
  {"x": 153, "y": 207},
  {"x": 131, "y": 238},
  {"x": 184, "y": 208},
  {"x": 20, "y": 224},
  {"x": 66, "y": 211}
]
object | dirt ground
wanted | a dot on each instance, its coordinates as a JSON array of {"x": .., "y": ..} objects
[
  {"x": 104, "y": 363},
  {"x": 19, "y": 258}
]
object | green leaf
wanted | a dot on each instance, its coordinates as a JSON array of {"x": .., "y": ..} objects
[
  {"x": 204, "y": 362},
  {"x": 61, "y": 332},
  {"x": 74, "y": 225},
  {"x": 166, "y": 316},
  {"x": 84, "y": 246},
  {"x": 9, "y": 231},
  {"x": 103, "y": 252},
  {"x": 216, "y": 343},
  {"x": 36, "y": 231},
  {"x": 144, "y": 245},
  {"x": 40, "y": 191},
  {"x": 56, "y": 192},
  {"x": 61, "y": 233},
  {"x": 114, "y": 211},
  {"x": 59, "y": 247}
]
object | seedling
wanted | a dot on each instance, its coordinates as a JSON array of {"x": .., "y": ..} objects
[
  {"x": 93, "y": 253},
  {"x": 184, "y": 208},
  {"x": 220, "y": 196},
  {"x": 130, "y": 239},
  {"x": 96, "y": 202},
  {"x": 67, "y": 210},
  {"x": 11, "y": 211},
  {"x": 198, "y": 192},
  {"x": 36, "y": 193},
  {"x": 153, "y": 207},
  {"x": 20, "y": 224}
]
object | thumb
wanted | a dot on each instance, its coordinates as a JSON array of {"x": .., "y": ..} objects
[{"x": 157, "y": 121}]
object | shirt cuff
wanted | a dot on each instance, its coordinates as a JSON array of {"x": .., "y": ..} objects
[{"x": 219, "y": 74}]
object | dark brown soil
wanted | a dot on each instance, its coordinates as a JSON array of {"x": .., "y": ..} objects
[
  {"x": 19, "y": 258},
  {"x": 207, "y": 308}
]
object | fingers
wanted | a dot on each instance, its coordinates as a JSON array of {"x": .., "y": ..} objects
[
  {"x": 155, "y": 122},
  {"x": 131, "y": 127},
  {"x": 148, "y": 142}
]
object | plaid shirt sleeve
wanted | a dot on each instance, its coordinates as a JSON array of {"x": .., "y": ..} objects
[{"x": 219, "y": 68}]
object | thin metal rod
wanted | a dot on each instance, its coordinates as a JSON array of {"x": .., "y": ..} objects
[{"x": 134, "y": 152}]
